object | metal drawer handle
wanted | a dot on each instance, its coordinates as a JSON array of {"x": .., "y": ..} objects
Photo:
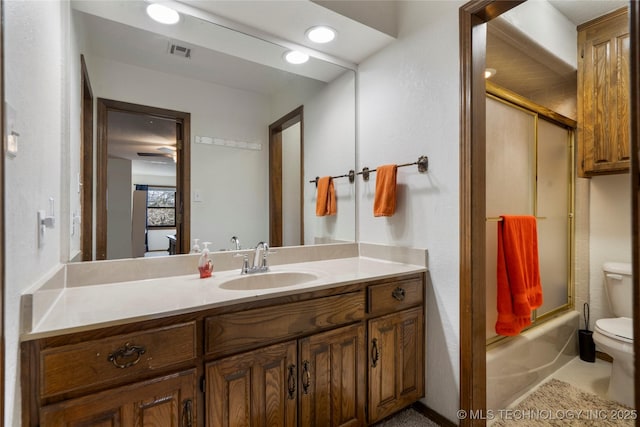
[
  {"x": 292, "y": 382},
  {"x": 127, "y": 351},
  {"x": 306, "y": 377},
  {"x": 375, "y": 353},
  {"x": 398, "y": 293},
  {"x": 187, "y": 414}
]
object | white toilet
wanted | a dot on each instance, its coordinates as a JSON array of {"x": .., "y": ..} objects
[{"x": 615, "y": 336}]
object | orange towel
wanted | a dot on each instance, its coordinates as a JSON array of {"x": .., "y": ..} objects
[
  {"x": 326, "y": 199},
  {"x": 519, "y": 287},
  {"x": 384, "y": 203}
]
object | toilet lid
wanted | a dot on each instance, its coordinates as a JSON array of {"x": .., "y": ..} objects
[{"x": 620, "y": 328}]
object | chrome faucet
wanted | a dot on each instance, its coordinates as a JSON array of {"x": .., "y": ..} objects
[
  {"x": 260, "y": 264},
  {"x": 236, "y": 242}
]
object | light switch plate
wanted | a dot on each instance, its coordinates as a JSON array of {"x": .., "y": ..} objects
[{"x": 11, "y": 137}]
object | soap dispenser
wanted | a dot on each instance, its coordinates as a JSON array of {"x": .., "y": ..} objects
[
  {"x": 195, "y": 249},
  {"x": 205, "y": 265}
]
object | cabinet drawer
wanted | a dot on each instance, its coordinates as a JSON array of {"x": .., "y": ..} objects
[
  {"x": 394, "y": 296},
  {"x": 234, "y": 332},
  {"x": 111, "y": 359}
]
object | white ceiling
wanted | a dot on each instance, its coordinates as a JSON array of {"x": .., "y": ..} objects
[
  {"x": 524, "y": 66},
  {"x": 121, "y": 31},
  {"x": 581, "y": 11},
  {"x": 289, "y": 20},
  {"x": 135, "y": 46}
]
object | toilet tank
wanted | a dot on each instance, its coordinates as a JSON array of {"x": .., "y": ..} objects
[{"x": 617, "y": 279}]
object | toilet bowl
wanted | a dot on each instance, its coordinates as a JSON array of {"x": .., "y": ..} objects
[{"x": 614, "y": 336}]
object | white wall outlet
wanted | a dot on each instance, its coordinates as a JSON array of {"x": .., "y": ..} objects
[{"x": 197, "y": 196}]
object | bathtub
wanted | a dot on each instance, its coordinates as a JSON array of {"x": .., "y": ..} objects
[{"x": 519, "y": 363}]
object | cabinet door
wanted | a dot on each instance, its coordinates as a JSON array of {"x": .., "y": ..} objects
[
  {"x": 256, "y": 388},
  {"x": 604, "y": 96},
  {"x": 396, "y": 362},
  {"x": 332, "y": 378},
  {"x": 167, "y": 401}
]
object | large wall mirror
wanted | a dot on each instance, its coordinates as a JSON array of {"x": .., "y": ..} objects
[{"x": 222, "y": 90}]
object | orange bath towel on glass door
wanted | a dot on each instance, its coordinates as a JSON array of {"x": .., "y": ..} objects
[
  {"x": 384, "y": 203},
  {"x": 518, "y": 269},
  {"x": 326, "y": 198}
]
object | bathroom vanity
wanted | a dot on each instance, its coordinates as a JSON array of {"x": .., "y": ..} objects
[{"x": 344, "y": 347}]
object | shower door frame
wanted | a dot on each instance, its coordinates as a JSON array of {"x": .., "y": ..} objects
[{"x": 540, "y": 112}]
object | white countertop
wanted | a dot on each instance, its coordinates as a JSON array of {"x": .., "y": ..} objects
[{"x": 90, "y": 307}]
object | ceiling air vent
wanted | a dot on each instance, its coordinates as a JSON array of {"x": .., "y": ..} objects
[{"x": 181, "y": 51}]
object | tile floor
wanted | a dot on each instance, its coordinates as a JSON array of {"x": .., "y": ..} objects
[{"x": 590, "y": 377}]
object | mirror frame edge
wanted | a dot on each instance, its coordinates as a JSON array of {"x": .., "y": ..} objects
[{"x": 2, "y": 220}]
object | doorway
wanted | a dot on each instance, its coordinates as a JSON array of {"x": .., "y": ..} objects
[
  {"x": 473, "y": 17},
  {"x": 178, "y": 154},
  {"x": 286, "y": 154}
]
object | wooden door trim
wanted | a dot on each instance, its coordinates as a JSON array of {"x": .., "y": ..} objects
[
  {"x": 183, "y": 178},
  {"x": 2, "y": 237},
  {"x": 86, "y": 162},
  {"x": 634, "y": 111},
  {"x": 473, "y": 17},
  {"x": 472, "y": 138},
  {"x": 275, "y": 183},
  {"x": 275, "y": 188}
]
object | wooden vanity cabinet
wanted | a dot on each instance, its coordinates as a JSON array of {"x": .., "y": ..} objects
[
  {"x": 318, "y": 379},
  {"x": 344, "y": 356},
  {"x": 395, "y": 346},
  {"x": 168, "y": 401},
  {"x": 603, "y": 95},
  {"x": 332, "y": 378},
  {"x": 140, "y": 374},
  {"x": 396, "y": 368},
  {"x": 315, "y": 381},
  {"x": 256, "y": 388}
]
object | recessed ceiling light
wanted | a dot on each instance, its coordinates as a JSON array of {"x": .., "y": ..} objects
[
  {"x": 296, "y": 57},
  {"x": 489, "y": 72},
  {"x": 162, "y": 14},
  {"x": 321, "y": 34}
]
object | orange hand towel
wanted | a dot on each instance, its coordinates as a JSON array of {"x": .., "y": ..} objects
[
  {"x": 384, "y": 203},
  {"x": 518, "y": 269},
  {"x": 326, "y": 199}
]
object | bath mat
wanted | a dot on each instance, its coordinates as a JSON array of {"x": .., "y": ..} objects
[{"x": 557, "y": 403}]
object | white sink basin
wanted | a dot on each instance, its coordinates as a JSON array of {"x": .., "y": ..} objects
[{"x": 270, "y": 280}]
